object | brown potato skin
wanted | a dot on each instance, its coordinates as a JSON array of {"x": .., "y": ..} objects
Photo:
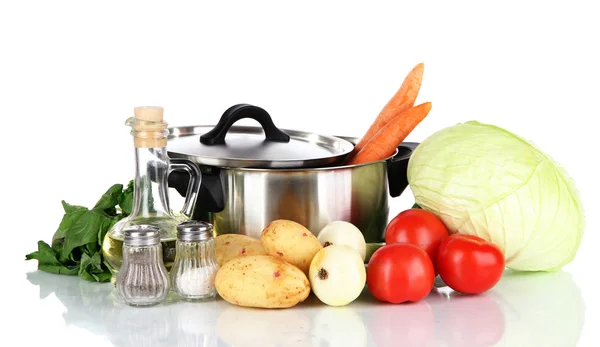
[
  {"x": 291, "y": 242},
  {"x": 261, "y": 281},
  {"x": 229, "y": 246}
]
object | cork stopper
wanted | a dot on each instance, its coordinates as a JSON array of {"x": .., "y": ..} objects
[
  {"x": 149, "y": 130},
  {"x": 149, "y": 113}
]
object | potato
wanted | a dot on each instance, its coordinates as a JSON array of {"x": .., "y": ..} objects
[
  {"x": 261, "y": 281},
  {"x": 291, "y": 242},
  {"x": 229, "y": 246}
]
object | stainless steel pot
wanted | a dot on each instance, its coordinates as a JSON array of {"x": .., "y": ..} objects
[{"x": 244, "y": 200}]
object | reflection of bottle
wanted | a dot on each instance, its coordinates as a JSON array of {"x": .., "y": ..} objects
[
  {"x": 132, "y": 327},
  {"x": 97, "y": 308},
  {"x": 196, "y": 324},
  {"x": 150, "y": 198}
]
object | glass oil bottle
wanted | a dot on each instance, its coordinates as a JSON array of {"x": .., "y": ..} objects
[{"x": 150, "y": 196}]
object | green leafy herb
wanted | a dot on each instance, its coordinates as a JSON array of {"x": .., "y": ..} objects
[
  {"x": 126, "y": 199},
  {"x": 48, "y": 260},
  {"x": 77, "y": 243}
]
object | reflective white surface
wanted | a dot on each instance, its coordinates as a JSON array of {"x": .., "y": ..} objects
[
  {"x": 544, "y": 309},
  {"x": 72, "y": 71}
]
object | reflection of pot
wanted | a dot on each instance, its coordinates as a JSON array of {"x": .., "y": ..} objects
[
  {"x": 250, "y": 327},
  {"x": 248, "y": 181}
]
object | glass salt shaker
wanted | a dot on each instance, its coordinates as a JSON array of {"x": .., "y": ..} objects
[
  {"x": 143, "y": 278},
  {"x": 195, "y": 267}
]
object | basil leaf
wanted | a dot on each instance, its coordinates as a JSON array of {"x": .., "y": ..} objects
[
  {"x": 110, "y": 199},
  {"x": 105, "y": 227},
  {"x": 91, "y": 269},
  {"x": 72, "y": 214},
  {"x": 77, "y": 243},
  {"x": 126, "y": 199},
  {"x": 85, "y": 230},
  {"x": 48, "y": 260},
  {"x": 104, "y": 276}
]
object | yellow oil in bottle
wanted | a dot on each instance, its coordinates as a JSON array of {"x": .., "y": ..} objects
[{"x": 112, "y": 247}]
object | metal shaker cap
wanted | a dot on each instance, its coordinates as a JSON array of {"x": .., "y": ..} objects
[
  {"x": 194, "y": 231},
  {"x": 142, "y": 235}
]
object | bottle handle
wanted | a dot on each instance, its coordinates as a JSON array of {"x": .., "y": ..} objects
[{"x": 178, "y": 164}]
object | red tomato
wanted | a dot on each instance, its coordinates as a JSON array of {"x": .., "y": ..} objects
[
  {"x": 400, "y": 272},
  {"x": 469, "y": 264},
  {"x": 418, "y": 227}
]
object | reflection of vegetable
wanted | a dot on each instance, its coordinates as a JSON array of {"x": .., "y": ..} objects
[
  {"x": 403, "y": 100},
  {"x": 469, "y": 320},
  {"x": 343, "y": 233},
  {"x": 541, "y": 309},
  {"x": 412, "y": 325},
  {"x": 337, "y": 275},
  {"x": 469, "y": 264},
  {"x": 261, "y": 281},
  {"x": 339, "y": 327},
  {"x": 255, "y": 327},
  {"x": 77, "y": 244},
  {"x": 419, "y": 227},
  {"x": 482, "y": 180},
  {"x": 400, "y": 272},
  {"x": 384, "y": 144}
]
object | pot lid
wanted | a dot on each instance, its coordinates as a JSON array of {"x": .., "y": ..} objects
[{"x": 267, "y": 146}]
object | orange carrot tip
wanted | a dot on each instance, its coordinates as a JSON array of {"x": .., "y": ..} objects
[{"x": 384, "y": 143}]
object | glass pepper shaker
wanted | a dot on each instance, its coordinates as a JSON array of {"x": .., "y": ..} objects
[
  {"x": 195, "y": 267},
  {"x": 143, "y": 278}
]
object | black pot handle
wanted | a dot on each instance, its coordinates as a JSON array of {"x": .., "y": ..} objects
[
  {"x": 397, "y": 166},
  {"x": 210, "y": 193},
  {"x": 217, "y": 135}
]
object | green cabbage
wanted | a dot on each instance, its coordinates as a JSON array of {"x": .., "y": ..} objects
[{"x": 482, "y": 180}]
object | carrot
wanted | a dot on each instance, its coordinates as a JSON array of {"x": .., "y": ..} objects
[
  {"x": 383, "y": 144},
  {"x": 404, "y": 99}
]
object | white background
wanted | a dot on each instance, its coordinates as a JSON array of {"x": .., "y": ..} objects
[{"x": 72, "y": 71}]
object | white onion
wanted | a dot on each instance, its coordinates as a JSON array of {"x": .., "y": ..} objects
[
  {"x": 343, "y": 233},
  {"x": 337, "y": 275}
]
